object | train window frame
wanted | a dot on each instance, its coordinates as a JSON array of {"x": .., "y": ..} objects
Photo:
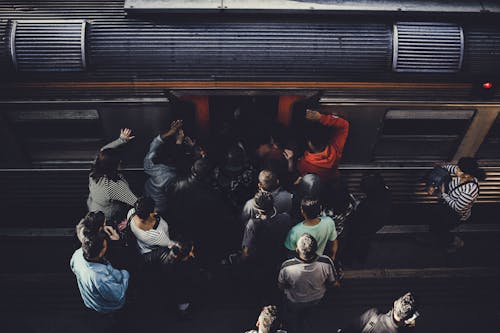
[{"x": 398, "y": 114}]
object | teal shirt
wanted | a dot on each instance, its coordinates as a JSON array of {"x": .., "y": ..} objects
[{"x": 323, "y": 232}]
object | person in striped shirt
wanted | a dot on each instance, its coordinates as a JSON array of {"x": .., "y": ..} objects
[{"x": 457, "y": 197}]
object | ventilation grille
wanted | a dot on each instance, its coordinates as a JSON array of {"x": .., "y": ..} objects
[
  {"x": 48, "y": 46},
  {"x": 427, "y": 47}
]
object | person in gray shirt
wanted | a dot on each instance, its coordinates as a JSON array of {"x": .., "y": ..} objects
[
  {"x": 268, "y": 182},
  {"x": 304, "y": 280}
]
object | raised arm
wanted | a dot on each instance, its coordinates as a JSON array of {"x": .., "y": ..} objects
[
  {"x": 125, "y": 136},
  {"x": 341, "y": 126},
  {"x": 158, "y": 141}
]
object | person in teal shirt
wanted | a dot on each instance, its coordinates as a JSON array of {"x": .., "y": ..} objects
[{"x": 322, "y": 228}]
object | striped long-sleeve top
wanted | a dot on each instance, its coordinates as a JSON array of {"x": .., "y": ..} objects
[
  {"x": 460, "y": 197},
  {"x": 148, "y": 240},
  {"x": 105, "y": 194}
]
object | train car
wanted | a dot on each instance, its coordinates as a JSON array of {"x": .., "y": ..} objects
[{"x": 416, "y": 80}]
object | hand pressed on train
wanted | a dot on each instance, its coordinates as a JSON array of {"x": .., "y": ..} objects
[
  {"x": 113, "y": 235},
  {"x": 180, "y": 137},
  {"x": 312, "y": 115},
  {"x": 126, "y": 134}
]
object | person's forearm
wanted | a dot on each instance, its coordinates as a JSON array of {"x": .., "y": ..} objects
[{"x": 335, "y": 247}]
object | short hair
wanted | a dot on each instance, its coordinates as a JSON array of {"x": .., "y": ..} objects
[
  {"x": 93, "y": 245},
  {"x": 144, "y": 206},
  {"x": 201, "y": 169},
  {"x": 92, "y": 223},
  {"x": 309, "y": 186},
  {"x": 180, "y": 250},
  {"x": 307, "y": 247},
  {"x": 310, "y": 207},
  {"x": 469, "y": 166},
  {"x": 264, "y": 201},
  {"x": 168, "y": 153},
  {"x": 268, "y": 319},
  {"x": 405, "y": 306},
  {"x": 268, "y": 180}
]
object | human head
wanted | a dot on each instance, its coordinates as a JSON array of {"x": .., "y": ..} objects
[
  {"x": 144, "y": 206},
  {"x": 263, "y": 202},
  {"x": 181, "y": 251},
  {"x": 405, "y": 311},
  {"x": 309, "y": 186},
  {"x": 268, "y": 319},
  {"x": 235, "y": 158},
  {"x": 268, "y": 181},
  {"x": 201, "y": 169},
  {"x": 373, "y": 184},
  {"x": 307, "y": 247},
  {"x": 106, "y": 165},
  {"x": 93, "y": 222},
  {"x": 469, "y": 166},
  {"x": 336, "y": 197},
  {"x": 94, "y": 247},
  {"x": 168, "y": 153},
  {"x": 317, "y": 137},
  {"x": 310, "y": 208}
]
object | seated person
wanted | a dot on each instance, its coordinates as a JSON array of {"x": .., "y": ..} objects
[
  {"x": 324, "y": 149},
  {"x": 322, "y": 228},
  {"x": 102, "y": 287},
  {"x": 150, "y": 230},
  {"x": 268, "y": 182}
]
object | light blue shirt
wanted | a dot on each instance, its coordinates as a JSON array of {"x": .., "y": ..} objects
[{"x": 102, "y": 287}]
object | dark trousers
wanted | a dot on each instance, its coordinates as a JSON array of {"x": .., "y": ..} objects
[
  {"x": 297, "y": 316},
  {"x": 444, "y": 220}
]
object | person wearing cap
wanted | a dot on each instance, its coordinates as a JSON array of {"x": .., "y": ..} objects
[
  {"x": 401, "y": 318},
  {"x": 304, "y": 281}
]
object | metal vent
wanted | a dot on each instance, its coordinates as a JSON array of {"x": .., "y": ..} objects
[
  {"x": 427, "y": 47},
  {"x": 48, "y": 46}
]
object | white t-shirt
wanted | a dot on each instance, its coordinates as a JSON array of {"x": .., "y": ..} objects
[{"x": 152, "y": 238}]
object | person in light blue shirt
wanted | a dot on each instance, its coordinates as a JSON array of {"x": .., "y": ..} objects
[
  {"x": 102, "y": 287},
  {"x": 322, "y": 228}
]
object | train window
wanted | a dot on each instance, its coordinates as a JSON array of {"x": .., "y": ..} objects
[
  {"x": 490, "y": 148},
  {"x": 49, "y": 136},
  {"x": 423, "y": 135}
]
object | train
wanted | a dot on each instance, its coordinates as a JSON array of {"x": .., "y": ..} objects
[{"x": 417, "y": 80}]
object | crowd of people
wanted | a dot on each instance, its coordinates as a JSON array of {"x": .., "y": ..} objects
[{"x": 283, "y": 218}]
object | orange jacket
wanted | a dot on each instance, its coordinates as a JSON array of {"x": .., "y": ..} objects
[{"x": 325, "y": 163}]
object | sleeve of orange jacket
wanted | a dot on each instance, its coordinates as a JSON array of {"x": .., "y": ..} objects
[{"x": 339, "y": 136}]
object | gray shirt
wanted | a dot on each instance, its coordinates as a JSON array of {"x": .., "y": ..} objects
[
  {"x": 306, "y": 281},
  {"x": 282, "y": 203}
]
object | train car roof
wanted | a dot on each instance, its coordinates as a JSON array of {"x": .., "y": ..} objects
[{"x": 312, "y": 6}]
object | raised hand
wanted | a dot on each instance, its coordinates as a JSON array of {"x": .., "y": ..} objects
[
  {"x": 288, "y": 153},
  {"x": 126, "y": 134},
  {"x": 180, "y": 137},
  {"x": 312, "y": 115},
  {"x": 113, "y": 235},
  {"x": 174, "y": 127}
]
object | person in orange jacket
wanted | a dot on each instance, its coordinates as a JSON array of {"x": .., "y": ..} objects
[{"x": 323, "y": 154}]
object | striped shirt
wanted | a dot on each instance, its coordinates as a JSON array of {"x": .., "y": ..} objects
[
  {"x": 149, "y": 240},
  {"x": 460, "y": 197},
  {"x": 105, "y": 195}
]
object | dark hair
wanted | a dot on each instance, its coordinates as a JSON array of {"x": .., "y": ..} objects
[
  {"x": 405, "y": 306},
  {"x": 236, "y": 157},
  {"x": 201, "y": 169},
  {"x": 268, "y": 318},
  {"x": 106, "y": 165},
  {"x": 168, "y": 153},
  {"x": 318, "y": 135},
  {"x": 144, "y": 206},
  {"x": 373, "y": 184},
  {"x": 307, "y": 247},
  {"x": 180, "y": 250},
  {"x": 336, "y": 196},
  {"x": 92, "y": 223},
  {"x": 93, "y": 245},
  {"x": 264, "y": 201},
  {"x": 310, "y": 207},
  {"x": 268, "y": 180},
  {"x": 469, "y": 166}
]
